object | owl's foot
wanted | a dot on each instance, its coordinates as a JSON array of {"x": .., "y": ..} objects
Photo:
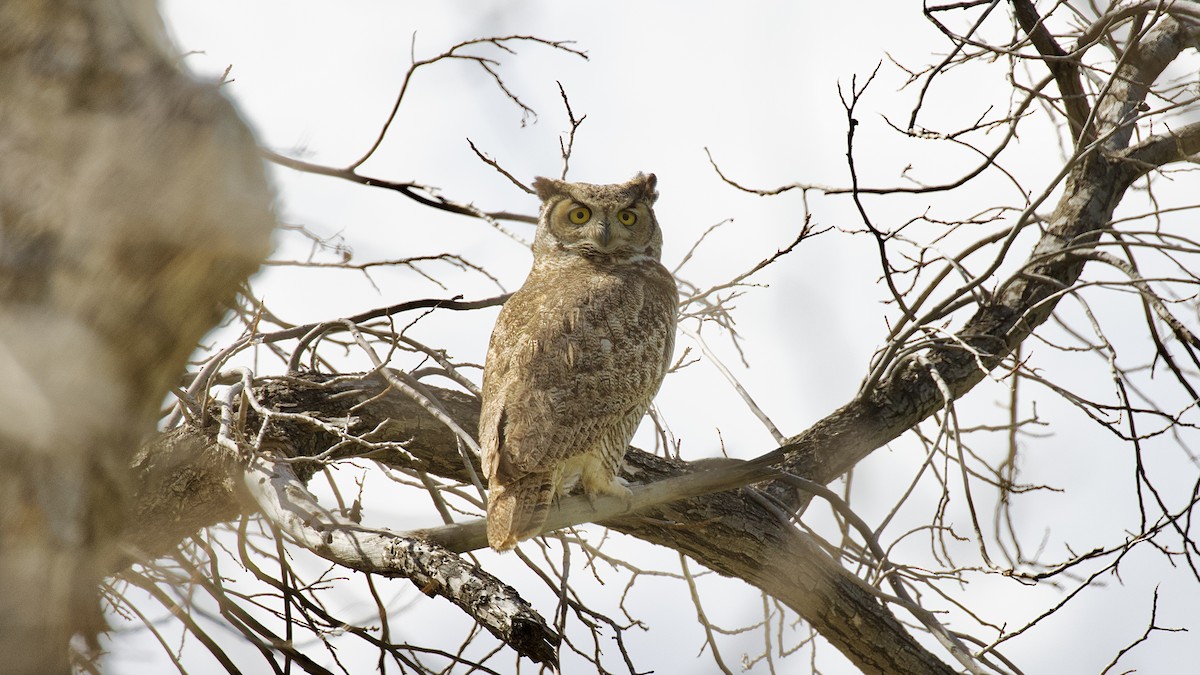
[{"x": 614, "y": 488}]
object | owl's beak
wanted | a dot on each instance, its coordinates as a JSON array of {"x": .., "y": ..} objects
[{"x": 605, "y": 234}]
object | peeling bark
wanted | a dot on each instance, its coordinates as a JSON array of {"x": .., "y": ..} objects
[{"x": 437, "y": 572}]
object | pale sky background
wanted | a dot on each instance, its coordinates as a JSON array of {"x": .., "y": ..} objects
[{"x": 756, "y": 84}]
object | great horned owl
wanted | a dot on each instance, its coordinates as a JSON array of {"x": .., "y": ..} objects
[{"x": 577, "y": 353}]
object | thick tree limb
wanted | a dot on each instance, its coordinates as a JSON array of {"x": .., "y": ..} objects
[
  {"x": 579, "y": 509},
  {"x": 730, "y": 532},
  {"x": 284, "y": 501},
  {"x": 1163, "y": 149}
]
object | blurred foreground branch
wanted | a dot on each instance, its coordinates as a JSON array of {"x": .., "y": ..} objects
[{"x": 111, "y": 270}]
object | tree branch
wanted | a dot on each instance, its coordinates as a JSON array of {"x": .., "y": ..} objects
[
  {"x": 910, "y": 393},
  {"x": 414, "y": 191},
  {"x": 284, "y": 500},
  {"x": 730, "y": 532},
  {"x": 1162, "y": 149},
  {"x": 1064, "y": 69}
]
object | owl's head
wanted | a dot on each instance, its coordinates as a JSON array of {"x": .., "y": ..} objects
[{"x": 610, "y": 221}]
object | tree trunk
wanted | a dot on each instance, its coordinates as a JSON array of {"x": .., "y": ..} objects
[{"x": 132, "y": 206}]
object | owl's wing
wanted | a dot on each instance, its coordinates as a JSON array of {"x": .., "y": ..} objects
[{"x": 566, "y": 365}]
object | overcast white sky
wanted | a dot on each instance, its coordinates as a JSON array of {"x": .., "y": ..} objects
[{"x": 754, "y": 83}]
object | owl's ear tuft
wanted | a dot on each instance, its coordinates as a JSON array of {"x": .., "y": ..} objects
[
  {"x": 547, "y": 187},
  {"x": 648, "y": 183}
]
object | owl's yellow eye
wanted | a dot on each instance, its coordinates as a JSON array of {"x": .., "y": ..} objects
[
  {"x": 579, "y": 215},
  {"x": 627, "y": 218}
]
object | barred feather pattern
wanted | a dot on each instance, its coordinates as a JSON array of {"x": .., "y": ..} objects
[{"x": 577, "y": 354}]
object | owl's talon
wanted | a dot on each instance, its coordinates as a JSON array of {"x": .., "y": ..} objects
[
  {"x": 626, "y": 498},
  {"x": 616, "y": 488}
]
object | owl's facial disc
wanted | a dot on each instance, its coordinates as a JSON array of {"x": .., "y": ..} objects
[{"x": 615, "y": 222}]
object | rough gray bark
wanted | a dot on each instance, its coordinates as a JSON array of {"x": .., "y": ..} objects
[{"x": 111, "y": 269}]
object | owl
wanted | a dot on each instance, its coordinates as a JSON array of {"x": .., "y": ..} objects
[{"x": 577, "y": 353}]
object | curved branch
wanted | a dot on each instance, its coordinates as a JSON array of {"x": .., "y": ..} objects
[
  {"x": 1064, "y": 70},
  {"x": 310, "y": 331},
  {"x": 711, "y": 477},
  {"x": 284, "y": 500},
  {"x": 414, "y": 191},
  {"x": 1162, "y": 149},
  {"x": 456, "y": 53}
]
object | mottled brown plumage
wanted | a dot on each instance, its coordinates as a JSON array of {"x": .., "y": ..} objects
[{"x": 577, "y": 353}]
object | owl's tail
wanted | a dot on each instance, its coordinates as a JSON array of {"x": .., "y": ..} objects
[{"x": 517, "y": 510}]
